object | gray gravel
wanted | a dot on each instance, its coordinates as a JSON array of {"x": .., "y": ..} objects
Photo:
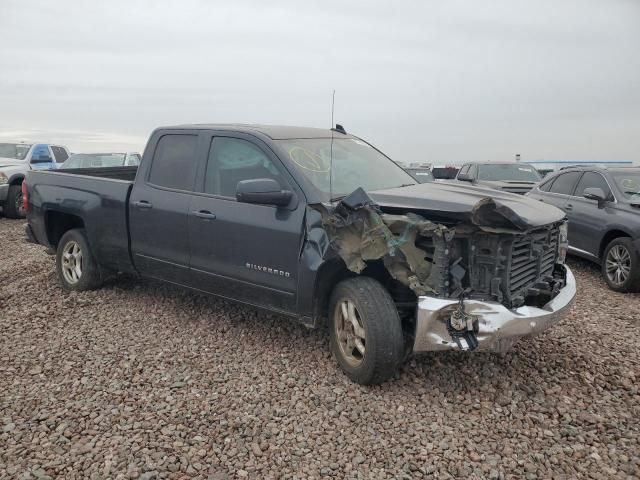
[{"x": 141, "y": 380}]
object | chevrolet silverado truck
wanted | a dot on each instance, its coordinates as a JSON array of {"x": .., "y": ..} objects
[{"x": 319, "y": 226}]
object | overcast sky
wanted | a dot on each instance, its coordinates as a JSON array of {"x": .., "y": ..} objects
[{"x": 439, "y": 81}]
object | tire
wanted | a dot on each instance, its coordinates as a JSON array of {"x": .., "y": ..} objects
[
  {"x": 13, "y": 207},
  {"x": 75, "y": 264},
  {"x": 620, "y": 253},
  {"x": 382, "y": 342}
]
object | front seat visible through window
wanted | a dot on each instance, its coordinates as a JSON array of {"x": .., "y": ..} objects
[{"x": 232, "y": 160}]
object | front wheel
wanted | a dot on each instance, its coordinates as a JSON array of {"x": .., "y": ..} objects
[
  {"x": 621, "y": 266},
  {"x": 365, "y": 330},
  {"x": 77, "y": 269}
]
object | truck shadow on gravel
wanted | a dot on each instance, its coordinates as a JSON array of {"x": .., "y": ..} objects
[{"x": 533, "y": 363}]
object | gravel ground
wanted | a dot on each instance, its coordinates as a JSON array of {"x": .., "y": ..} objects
[{"x": 141, "y": 380}]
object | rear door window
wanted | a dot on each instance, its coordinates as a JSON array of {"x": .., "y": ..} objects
[
  {"x": 565, "y": 183},
  {"x": 592, "y": 180},
  {"x": 59, "y": 153},
  {"x": 546, "y": 186},
  {"x": 174, "y": 162}
]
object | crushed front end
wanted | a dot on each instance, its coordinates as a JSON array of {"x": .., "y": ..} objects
[
  {"x": 514, "y": 285},
  {"x": 477, "y": 283}
]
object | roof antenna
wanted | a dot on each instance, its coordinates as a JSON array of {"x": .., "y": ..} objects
[{"x": 333, "y": 102}]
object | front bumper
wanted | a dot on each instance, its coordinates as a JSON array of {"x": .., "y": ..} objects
[{"x": 499, "y": 328}]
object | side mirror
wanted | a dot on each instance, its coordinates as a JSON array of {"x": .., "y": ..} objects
[
  {"x": 265, "y": 191},
  {"x": 595, "y": 193},
  {"x": 465, "y": 177}
]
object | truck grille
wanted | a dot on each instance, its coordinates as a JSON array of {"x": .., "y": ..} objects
[
  {"x": 509, "y": 267},
  {"x": 530, "y": 259}
]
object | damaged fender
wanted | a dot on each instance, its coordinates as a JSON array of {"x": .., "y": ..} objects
[{"x": 360, "y": 232}]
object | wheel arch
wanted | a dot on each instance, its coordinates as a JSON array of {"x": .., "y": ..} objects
[
  {"x": 17, "y": 179},
  {"x": 58, "y": 223},
  {"x": 609, "y": 237},
  {"x": 333, "y": 271},
  {"x": 330, "y": 273}
]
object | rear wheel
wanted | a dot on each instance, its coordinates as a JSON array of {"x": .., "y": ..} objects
[
  {"x": 621, "y": 266},
  {"x": 365, "y": 330},
  {"x": 77, "y": 269},
  {"x": 13, "y": 207}
]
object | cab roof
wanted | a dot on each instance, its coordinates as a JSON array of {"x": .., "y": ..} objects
[{"x": 275, "y": 132}]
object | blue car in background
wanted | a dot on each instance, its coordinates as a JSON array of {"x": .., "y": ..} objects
[{"x": 16, "y": 159}]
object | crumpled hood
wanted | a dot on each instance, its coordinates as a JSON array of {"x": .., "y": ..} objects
[{"x": 484, "y": 207}]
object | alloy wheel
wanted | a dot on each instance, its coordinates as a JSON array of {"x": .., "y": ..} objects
[
  {"x": 350, "y": 332},
  {"x": 618, "y": 264},
  {"x": 72, "y": 262}
]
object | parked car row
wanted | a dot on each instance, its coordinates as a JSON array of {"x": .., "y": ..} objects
[
  {"x": 101, "y": 160},
  {"x": 16, "y": 159}
]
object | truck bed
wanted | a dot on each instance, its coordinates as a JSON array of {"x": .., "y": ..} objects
[
  {"x": 95, "y": 199},
  {"x": 117, "y": 173}
]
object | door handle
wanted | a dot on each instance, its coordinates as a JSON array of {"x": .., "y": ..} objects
[
  {"x": 142, "y": 204},
  {"x": 205, "y": 214},
  {"x": 569, "y": 207}
]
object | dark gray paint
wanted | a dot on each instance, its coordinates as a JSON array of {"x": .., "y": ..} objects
[
  {"x": 592, "y": 225},
  {"x": 162, "y": 233}
]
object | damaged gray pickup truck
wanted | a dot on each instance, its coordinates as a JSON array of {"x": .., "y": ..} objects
[{"x": 317, "y": 225}]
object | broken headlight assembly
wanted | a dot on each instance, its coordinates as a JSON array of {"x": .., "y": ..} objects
[
  {"x": 563, "y": 242},
  {"x": 3, "y": 179}
]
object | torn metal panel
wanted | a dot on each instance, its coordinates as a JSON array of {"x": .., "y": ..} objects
[{"x": 360, "y": 232}]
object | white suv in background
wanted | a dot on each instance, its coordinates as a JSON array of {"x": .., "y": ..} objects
[{"x": 15, "y": 160}]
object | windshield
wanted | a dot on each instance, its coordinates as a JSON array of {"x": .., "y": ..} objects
[
  {"x": 16, "y": 151},
  {"x": 355, "y": 164},
  {"x": 504, "y": 172},
  {"x": 421, "y": 175},
  {"x": 91, "y": 160},
  {"x": 629, "y": 184}
]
